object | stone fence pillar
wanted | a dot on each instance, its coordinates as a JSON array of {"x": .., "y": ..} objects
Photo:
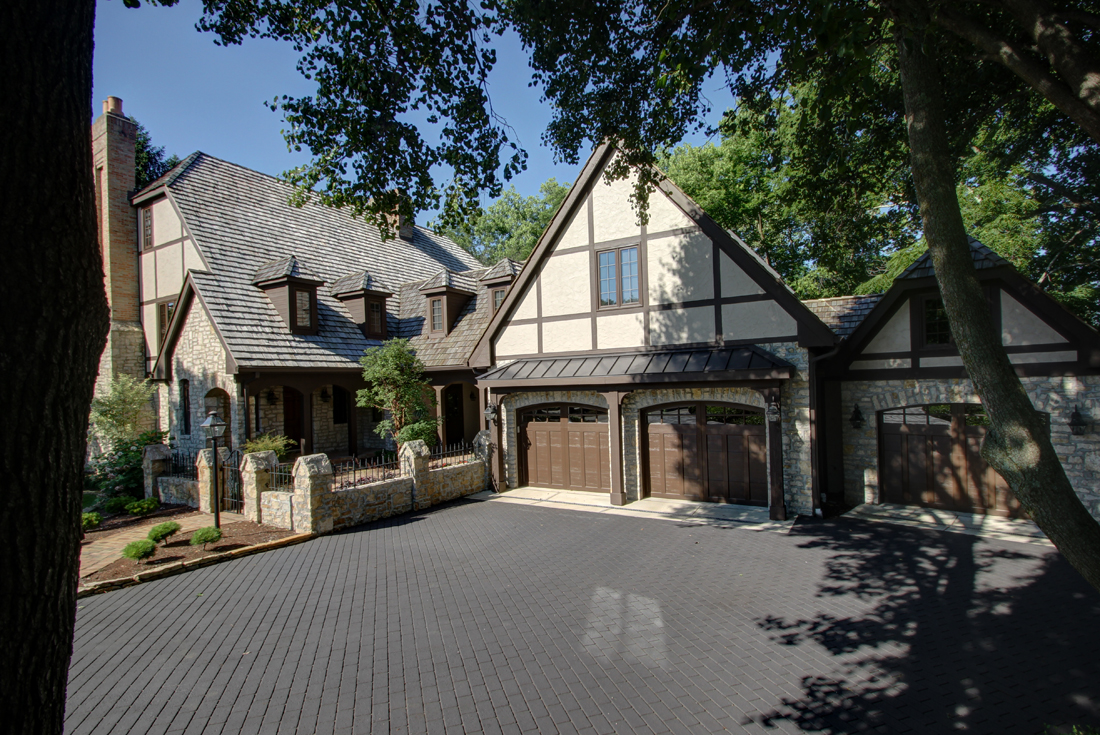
[
  {"x": 483, "y": 450},
  {"x": 415, "y": 457},
  {"x": 312, "y": 481},
  {"x": 155, "y": 460},
  {"x": 205, "y": 466},
  {"x": 256, "y": 478}
]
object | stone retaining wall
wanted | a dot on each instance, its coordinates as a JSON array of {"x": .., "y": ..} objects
[{"x": 178, "y": 491}]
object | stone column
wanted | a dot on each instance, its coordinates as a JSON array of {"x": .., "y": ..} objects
[
  {"x": 312, "y": 481},
  {"x": 615, "y": 445},
  {"x": 483, "y": 450},
  {"x": 154, "y": 463},
  {"x": 256, "y": 478},
  {"x": 414, "y": 458},
  {"x": 205, "y": 466}
]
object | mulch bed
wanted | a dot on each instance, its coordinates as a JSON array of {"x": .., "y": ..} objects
[
  {"x": 123, "y": 521},
  {"x": 236, "y": 535}
]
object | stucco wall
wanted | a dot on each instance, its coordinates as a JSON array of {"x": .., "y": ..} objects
[{"x": 1080, "y": 455}]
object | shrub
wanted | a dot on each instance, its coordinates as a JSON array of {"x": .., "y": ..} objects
[
  {"x": 162, "y": 531},
  {"x": 138, "y": 550},
  {"x": 143, "y": 507},
  {"x": 88, "y": 521},
  {"x": 118, "y": 472},
  {"x": 269, "y": 443},
  {"x": 204, "y": 536},
  {"x": 117, "y": 505},
  {"x": 116, "y": 415}
]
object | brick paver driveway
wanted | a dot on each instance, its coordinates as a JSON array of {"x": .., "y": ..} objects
[{"x": 488, "y": 617}]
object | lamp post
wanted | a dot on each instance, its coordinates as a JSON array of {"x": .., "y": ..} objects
[{"x": 214, "y": 427}]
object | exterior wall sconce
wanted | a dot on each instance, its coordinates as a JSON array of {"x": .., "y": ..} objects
[
  {"x": 271, "y": 397},
  {"x": 772, "y": 411},
  {"x": 324, "y": 395},
  {"x": 490, "y": 413},
  {"x": 856, "y": 419},
  {"x": 1077, "y": 423}
]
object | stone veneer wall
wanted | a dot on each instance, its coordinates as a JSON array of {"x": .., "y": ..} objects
[
  {"x": 795, "y": 407},
  {"x": 200, "y": 359},
  {"x": 178, "y": 491},
  {"x": 1080, "y": 455}
]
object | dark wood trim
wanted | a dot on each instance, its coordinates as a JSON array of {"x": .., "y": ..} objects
[
  {"x": 538, "y": 311},
  {"x": 716, "y": 285},
  {"x": 618, "y": 306},
  {"x": 615, "y": 450},
  {"x": 502, "y": 388},
  {"x": 643, "y": 282},
  {"x": 620, "y": 242},
  {"x": 178, "y": 241},
  {"x": 726, "y": 377},
  {"x": 646, "y": 348}
]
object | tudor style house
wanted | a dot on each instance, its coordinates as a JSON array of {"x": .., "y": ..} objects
[{"x": 663, "y": 359}]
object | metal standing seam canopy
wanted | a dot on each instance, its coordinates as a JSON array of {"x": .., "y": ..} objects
[{"x": 746, "y": 363}]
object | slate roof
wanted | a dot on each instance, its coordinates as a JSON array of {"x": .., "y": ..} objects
[
  {"x": 360, "y": 281},
  {"x": 504, "y": 269},
  {"x": 169, "y": 176},
  {"x": 843, "y": 314},
  {"x": 983, "y": 258},
  {"x": 455, "y": 347},
  {"x": 241, "y": 220},
  {"x": 700, "y": 364}
]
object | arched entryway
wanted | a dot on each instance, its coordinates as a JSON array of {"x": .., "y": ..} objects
[
  {"x": 706, "y": 451},
  {"x": 565, "y": 446},
  {"x": 217, "y": 400}
]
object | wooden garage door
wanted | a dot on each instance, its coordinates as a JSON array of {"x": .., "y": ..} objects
[
  {"x": 931, "y": 457},
  {"x": 713, "y": 452},
  {"x": 566, "y": 447}
]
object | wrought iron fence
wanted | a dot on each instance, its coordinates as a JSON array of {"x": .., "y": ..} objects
[
  {"x": 356, "y": 472},
  {"x": 282, "y": 477},
  {"x": 183, "y": 464},
  {"x": 450, "y": 455},
  {"x": 231, "y": 495}
]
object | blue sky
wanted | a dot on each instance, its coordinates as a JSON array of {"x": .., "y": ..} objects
[{"x": 193, "y": 95}]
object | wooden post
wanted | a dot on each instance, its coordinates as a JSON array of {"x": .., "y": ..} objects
[
  {"x": 498, "y": 446},
  {"x": 353, "y": 425},
  {"x": 615, "y": 446},
  {"x": 439, "y": 414},
  {"x": 307, "y": 440}
]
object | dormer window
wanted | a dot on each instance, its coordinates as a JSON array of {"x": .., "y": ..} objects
[
  {"x": 303, "y": 309},
  {"x": 292, "y": 290},
  {"x": 374, "y": 318},
  {"x": 365, "y": 301},
  {"x": 498, "y": 298},
  {"x": 437, "y": 315},
  {"x": 497, "y": 280}
]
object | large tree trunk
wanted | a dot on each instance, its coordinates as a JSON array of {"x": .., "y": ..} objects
[
  {"x": 55, "y": 325},
  {"x": 1018, "y": 444}
]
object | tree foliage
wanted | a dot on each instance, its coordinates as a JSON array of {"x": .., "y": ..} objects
[
  {"x": 396, "y": 385},
  {"x": 117, "y": 415},
  {"x": 150, "y": 162},
  {"x": 511, "y": 226}
]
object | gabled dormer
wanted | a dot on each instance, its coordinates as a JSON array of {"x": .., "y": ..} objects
[
  {"x": 497, "y": 279},
  {"x": 292, "y": 289},
  {"x": 365, "y": 299},
  {"x": 444, "y": 301}
]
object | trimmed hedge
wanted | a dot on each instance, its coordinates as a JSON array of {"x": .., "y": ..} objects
[
  {"x": 138, "y": 550},
  {"x": 162, "y": 531}
]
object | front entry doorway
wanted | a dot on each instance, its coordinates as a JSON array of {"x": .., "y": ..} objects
[
  {"x": 713, "y": 452},
  {"x": 931, "y": 457},
  {"x": 565, "y": 446}
]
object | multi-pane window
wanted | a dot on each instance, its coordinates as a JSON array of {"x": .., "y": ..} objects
[
  {"x": 164, "y": 315},
  {"x": 437, "y": 315},
  {"x": 498, "y": 298},
  {"x": 146, "y": 228},
  {"x": 619, "y": 277},
  {"x": 374, "y": 321},
  {"x": 303, "y": 309},
  {"x": 936, "y": 329}
]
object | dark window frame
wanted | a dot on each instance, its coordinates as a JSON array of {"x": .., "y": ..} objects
[
  {"x": 498, "y": 301},
  {"x": 147, "y": 228},
  {"x": 381, "y": 330},
  {"x": 922, "y": 303},
  {"x": 619, "y": 276},
  {"x": 185, "y": 407},
  {"x": 165, "y": 309},
  {"x": 292, "y": 298},
  {"x": 442, "y": 315}
]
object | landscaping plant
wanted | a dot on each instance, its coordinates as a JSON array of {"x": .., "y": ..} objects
[
  {"x": 162, "y": 531},
  {"x": 270, "y": 443},
  {"x": 119, "y": 472},
  {"x": 88, "y": 521},
  {"x": 204, "y": 536},
  {"x": 117, "y": 505},
  {"x": 138, "y": 550},
  {"x": 395, "y": 376},
  {"x": 116, "y": 416},
  {"x": 143, "y": 507}
]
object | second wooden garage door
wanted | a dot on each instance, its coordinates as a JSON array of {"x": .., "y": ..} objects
[
  {"x": 565, "y": 447},
  {"x": 713, "y": 452}
]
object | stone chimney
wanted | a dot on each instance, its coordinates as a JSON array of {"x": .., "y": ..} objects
[
  {"x": 113, "y": 141},
  {"x": 402, "y": 226}
]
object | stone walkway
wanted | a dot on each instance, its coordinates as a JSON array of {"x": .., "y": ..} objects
[
  {"x": 971, "y": 524},
  {"x": 108, "y": 548},
  {"x": 745, "y": 517}
]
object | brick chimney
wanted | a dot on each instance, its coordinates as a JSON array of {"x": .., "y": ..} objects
[{"x": 113, "y": 141}]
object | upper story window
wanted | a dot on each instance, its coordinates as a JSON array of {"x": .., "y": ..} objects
[
  {"x": 185, "y": 408},
  {"x": 498, "y": 298},
  {"x": 146, "y": 228},
  {"x": 164, "y": 315},
  {"x": 936, "y": 329},
  {"x": 374, "y": 318},
  {"x": 303, "y": 309},
  {"x": 619, "y": 276},
  {"x": 437, "y": 315}
]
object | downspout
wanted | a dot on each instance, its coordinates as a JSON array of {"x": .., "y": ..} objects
[{"x": 815, "y": 450}]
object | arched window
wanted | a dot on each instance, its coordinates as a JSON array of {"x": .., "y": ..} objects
[
  {"x": 218, "y": 400},
  {"x": 185, "y": 408}
]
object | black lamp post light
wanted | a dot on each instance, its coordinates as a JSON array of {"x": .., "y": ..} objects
[
  {"x": 772, "y": 411},
  {"x": 1078, "y": 425},
  {"x": 856, "y": 419},
  {"x": 214, "y": 427}
]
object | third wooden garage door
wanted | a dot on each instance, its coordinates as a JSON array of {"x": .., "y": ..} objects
[
  {"x": 565, "y": 447},
  {"x": 704, "y": 451}
]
